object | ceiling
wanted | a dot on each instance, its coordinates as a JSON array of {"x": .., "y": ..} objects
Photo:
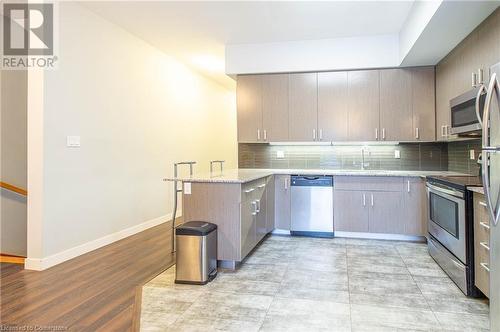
[{"x": 197, "y": 32}]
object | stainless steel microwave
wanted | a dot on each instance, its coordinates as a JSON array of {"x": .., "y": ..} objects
[{"x": 464, "y": 117}]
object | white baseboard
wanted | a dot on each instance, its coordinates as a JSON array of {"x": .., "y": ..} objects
[{"x": 39, "y": 264}]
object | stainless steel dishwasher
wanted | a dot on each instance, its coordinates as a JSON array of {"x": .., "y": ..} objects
[{"x": 312, "y": 205}]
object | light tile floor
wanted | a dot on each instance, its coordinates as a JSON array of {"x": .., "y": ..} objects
[{"x": 307, "y": 284}]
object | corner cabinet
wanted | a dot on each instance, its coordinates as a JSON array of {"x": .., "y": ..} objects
[
  {"x": 358, "y": 106},
  {"x": 262, "y": 104},
  {"x": 249, "y": 105}
]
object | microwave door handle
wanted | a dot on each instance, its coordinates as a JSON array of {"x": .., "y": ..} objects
[
  {"x": 493, "y": 88},
  {"x": 482, "y": 89}
]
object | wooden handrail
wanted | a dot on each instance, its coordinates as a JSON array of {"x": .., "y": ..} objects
[{"x": 13, "y": 188}]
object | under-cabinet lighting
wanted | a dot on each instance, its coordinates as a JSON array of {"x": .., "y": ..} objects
[{"x": 334, "y": 143}]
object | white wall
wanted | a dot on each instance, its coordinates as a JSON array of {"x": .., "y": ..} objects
[
  {"x": 313, "y": 55},
  {"x": 137, "y": 111}
]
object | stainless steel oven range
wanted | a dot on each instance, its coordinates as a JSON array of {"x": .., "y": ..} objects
[{"x": 450, "y": 228}]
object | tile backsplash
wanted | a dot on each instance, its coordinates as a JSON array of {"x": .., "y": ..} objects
[
  {"x": 453, "y": 156},
  {"x": 459, "y": 156},
  {"x": 412, "y": 156}
]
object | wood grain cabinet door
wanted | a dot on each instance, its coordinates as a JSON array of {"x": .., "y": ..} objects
[
  {"x": 395, "y": 105},
  {"x": 275, "y": 107},
  {"x": 249, "y": 108},
  {"x": 415, "y": 207},
  {"x": 350, "y": 211},
  {"x": 423, "y": 104},
  {"x": 332, "y": 106},
  {"x": 303, "y": 107},
  {"x": 282, "y": 218},
  {"x": 270, "y": 205},
  {"x": 363, "y": 105},
  {"x": 261, "y": 220},
  {"x": 248, "y": 221},
  {"x": 385, "y": 212}
]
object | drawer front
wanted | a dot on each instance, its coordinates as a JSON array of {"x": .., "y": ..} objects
[
  {"x": 378, "y": 183},
  {"x": 482, "y": 275},
  {"x": 481, "y": 244}
]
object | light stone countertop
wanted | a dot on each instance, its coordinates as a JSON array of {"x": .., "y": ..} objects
[
  {"x": 476, "y": 189},
  {"x": 244, "y": 175}
]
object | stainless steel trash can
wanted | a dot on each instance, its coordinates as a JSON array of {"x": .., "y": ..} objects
[{"x": 196, "y": 256}]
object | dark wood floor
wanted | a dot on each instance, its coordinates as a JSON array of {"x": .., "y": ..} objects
[{"x": 96, "y": 291}]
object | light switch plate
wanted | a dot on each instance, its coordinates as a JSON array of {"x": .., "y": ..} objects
[
  {"x": 187, "y": 188},
  {"x": 472, "y": 155},
  {"x": 397, "y": 154},
  {"x": 73, "y": 141},
  {"x": 280, "y": 154}
]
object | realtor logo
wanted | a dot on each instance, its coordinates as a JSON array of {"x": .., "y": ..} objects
[{"x": 28, "y": 35}]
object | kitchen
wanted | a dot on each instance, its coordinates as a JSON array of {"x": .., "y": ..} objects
[
  {"x": 302, "y": 176},
  {"x": 254, "y": 166}
]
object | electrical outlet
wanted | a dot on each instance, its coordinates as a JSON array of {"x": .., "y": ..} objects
[
  {"x": 397, "y": 154},
  {"x": 472, "y": 155},
  {"x": 280, "y": 154}
]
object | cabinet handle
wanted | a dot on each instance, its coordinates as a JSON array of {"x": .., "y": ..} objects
[
  {"x": 261, "y": 186},
  {"x": 482, "y": 203},
  {"x": 408, "y": 186},
  {"x": 417, "y": 133},
  {"x": 254, "y": 205},
  {"x": 285, "y": 182},
  {"x": 484, "y": 245},
  {"x": 376, "y": 133},
  {"x": 372, "y": 199},
  {"x": 447, "y": 130},
  {"x": 258, "y": 134},
  {"x": 485, "y": 266},
  {"x": 320, "y": 134},
  {"x": 265, "y": 135},
  {"x": 257, "y": 204},
  {"x": 383, "y": 133},
  {"x": 364, "y": 200},
  {"x": 249, "y": 190},
  {"x": 485, "y": 225},
  {"x": 314, "y": 134}
]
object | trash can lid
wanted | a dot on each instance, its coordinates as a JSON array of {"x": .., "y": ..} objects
[{"x": 199, "y": 228}]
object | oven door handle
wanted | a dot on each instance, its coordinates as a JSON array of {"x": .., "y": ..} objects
[{"x": 451, "y": 192}]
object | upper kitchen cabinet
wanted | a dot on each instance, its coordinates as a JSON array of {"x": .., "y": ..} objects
[
  {"x": 423, "y": 104},
  {"x": 275, "y": 107},
  {"x": 303, "y": 107},
  {"x": 363, "y": 105},
  {"x": 249, "y": 105},
  {"x": 332, "y": 106},
  {"x": 395, "y": 105}
]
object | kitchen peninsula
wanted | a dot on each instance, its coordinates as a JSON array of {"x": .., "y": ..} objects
[{"x": 247, "y": 204}]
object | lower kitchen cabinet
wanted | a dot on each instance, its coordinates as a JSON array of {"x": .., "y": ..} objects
[
  {"x": 386, "y": 212},
  {"x": 282, "y": 208},
  {"x": 481, "y": 244},
  {"x": 242, "y": 213},
  {"x": 350, "y": 212},
  {"x": 248, "y": 228},
  {"x": 415, "y": 207},
  {"x": 364, "y": 204}
]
